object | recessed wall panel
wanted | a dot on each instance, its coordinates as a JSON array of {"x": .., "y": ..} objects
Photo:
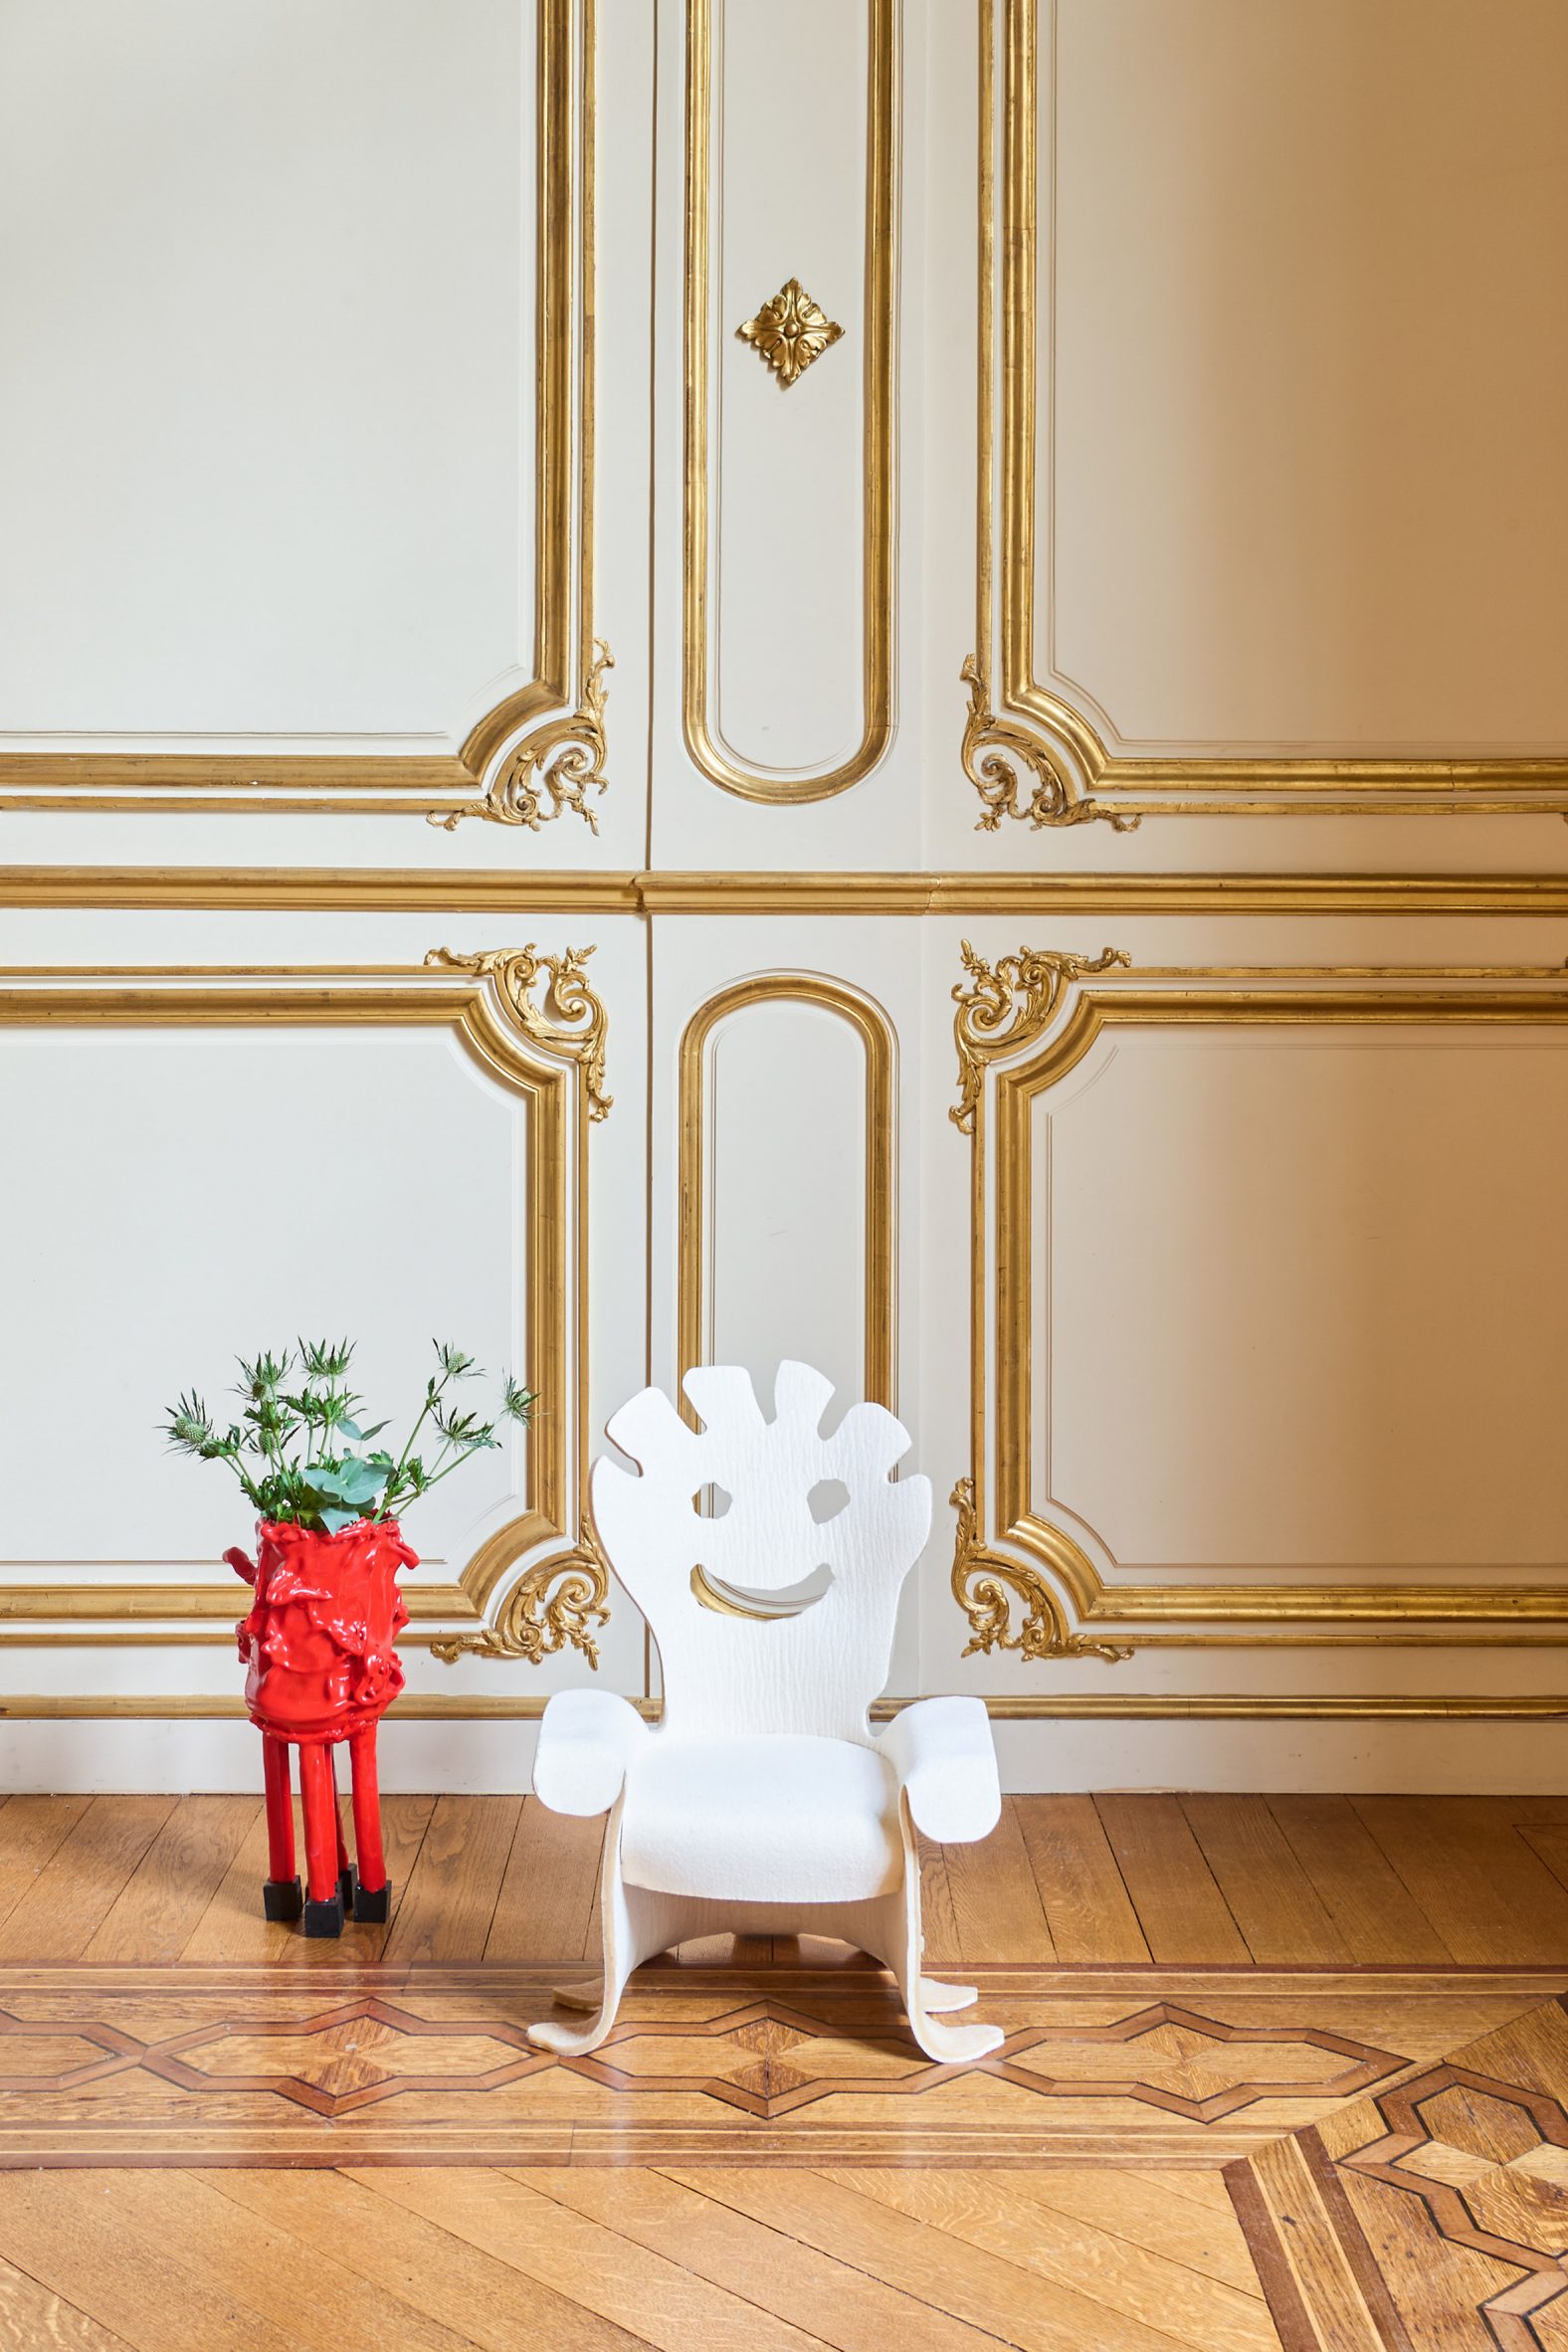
[
  {"x": 1300, "y": 475},
  {"x": 174, "y": 1196},
  {"x": 268, "y": 465}
]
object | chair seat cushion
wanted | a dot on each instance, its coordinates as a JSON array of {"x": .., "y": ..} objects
[{"x": 771, "y": 1819}]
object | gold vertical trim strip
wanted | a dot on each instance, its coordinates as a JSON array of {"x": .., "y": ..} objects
[
  {"x": 702, "y": 742},
  {"x": 871, "y": 1026}
]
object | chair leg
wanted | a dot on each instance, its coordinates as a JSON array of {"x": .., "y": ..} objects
[
  {"x": 898, "y": 1929},
  {"x": 637, "y": 1924}
]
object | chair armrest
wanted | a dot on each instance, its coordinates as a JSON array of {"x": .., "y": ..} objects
[
  {"x": 942, "y": 1752},
  {"x": 586, "y": 1741}
]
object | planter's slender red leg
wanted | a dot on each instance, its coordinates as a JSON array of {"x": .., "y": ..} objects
[
  {"x": 323, "y": 1911},
  {"x": 372, "y": 1894},
  {"x": 280, "y": 1897},
  {"x": 346, "y": 1868}
]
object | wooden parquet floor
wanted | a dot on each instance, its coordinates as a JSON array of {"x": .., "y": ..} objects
[{"x": 1277, "y": 2072}]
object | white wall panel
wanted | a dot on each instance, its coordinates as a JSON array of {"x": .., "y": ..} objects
[
  {"x": 208, "y": 1190},
  {"x": 1329, "y": 514},
  {"x": 1322, "y": 1274},
  {"x": 357, "y": 352},
  {"x": 786, "y": 1240},
  {"x": 262, "y": 469}
]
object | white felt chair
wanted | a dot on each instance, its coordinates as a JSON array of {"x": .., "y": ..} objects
[{"x": 763, "y": 1803}]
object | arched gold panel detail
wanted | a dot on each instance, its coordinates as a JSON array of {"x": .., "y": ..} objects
[
  {"x": 693, "y": 1306},
  {"x": 703, "y": 742}
]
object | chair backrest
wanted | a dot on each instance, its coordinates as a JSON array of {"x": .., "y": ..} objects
[{"x": 728, "y": 1669}]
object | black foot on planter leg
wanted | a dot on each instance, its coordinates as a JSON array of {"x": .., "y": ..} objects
[
  {"x": 324, "y": 1918},
  {"x": 281, "y": 1898},
  {"x": 347, "y": 1880},
  {"x": 373, "y": 1904}
]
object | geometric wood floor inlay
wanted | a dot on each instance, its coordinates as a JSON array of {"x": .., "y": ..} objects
[
  {"x": 1275, "y": 2071},
  {"x": 1434, "y": 2211},
  {"x": 770, "y": 2065}
]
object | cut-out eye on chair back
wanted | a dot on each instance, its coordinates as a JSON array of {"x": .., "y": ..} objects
[{"x": 777, "y": 1614}]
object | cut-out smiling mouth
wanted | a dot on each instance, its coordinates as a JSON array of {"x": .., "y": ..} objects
[{"x": 737, "y": 1600}]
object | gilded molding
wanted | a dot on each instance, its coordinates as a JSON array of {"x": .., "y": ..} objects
[
  {"x": 693, "y": 1306},
  {"x": 563, "y": 759},
  {"x": 501, "y": 891},
  {"x": 980, "y": 1580},
  {"x": 1009, "y": 341},
  {"x": 553, "y": 1606},
  {"x": 789, "y": 332},
  {"x": 1007, "y": 1007},
  {"x": 995, "y": 751},
  {"x": 566, "y": 757},
  {"x": 704, "y": 741},
  {"x": 488, "y": 1002},
  {"x": 1209, "y": 1613},
  {"x": 566, "y": 1016},
  {"x": 1122, "y": 1706}
]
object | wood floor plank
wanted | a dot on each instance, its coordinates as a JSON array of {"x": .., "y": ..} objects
[
  {"x": 310, "y": 2290},
  {"x": 651, "y": 2294},
  {"x": 1087, "y": 1908},
  {"x": 450, "y": 1900},
  {"x": 428, "y": 2270},
  {"x": 979, "y": 2287},
  {"x": 31, "y": 1830},
  {"x": 1370, "y": 1904},
  {"x": 828, "y": 2298},
  {"x": 233, "y": 1931},
  {"x": 1549, "y": 1839},
  {"x": 34, "y": 2319},
  {"x": 1496, "y": 1899},
  {"x": 66, "y": 2230},
  {"x": 1268, "y": 1894},
  {"x": 156, "y": 1911},
  {"x": 1133, "y": 2287},
  {"x": 546, "y": 1895},
  {"x": 59, "y": 1913},
  {"x": 1141, "y": 2208},
  {"x": 1185, "y": 2180},
  {"x": 996, "y": 1905},
  {"x": 1184, "y": 1916}
]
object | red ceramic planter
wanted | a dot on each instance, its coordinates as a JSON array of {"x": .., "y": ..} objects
[{"x": 321, "y": 1668}]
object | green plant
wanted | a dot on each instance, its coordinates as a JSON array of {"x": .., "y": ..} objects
[{"x": 300, "y": 1453}]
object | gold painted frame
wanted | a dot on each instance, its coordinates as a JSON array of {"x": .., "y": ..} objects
[
  {"x": 1025, "y": 749},
  {"x": 515, "y": 890},
  {"x": 1034, "y": 1015},
  {"x": 693, "y": 1302},
  {"x": 560, "y": 757},
  {"x": 878, "y": 323},
  {"x": 1222, "y": 1706},
  {"x": 533, "y": 1024}
]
